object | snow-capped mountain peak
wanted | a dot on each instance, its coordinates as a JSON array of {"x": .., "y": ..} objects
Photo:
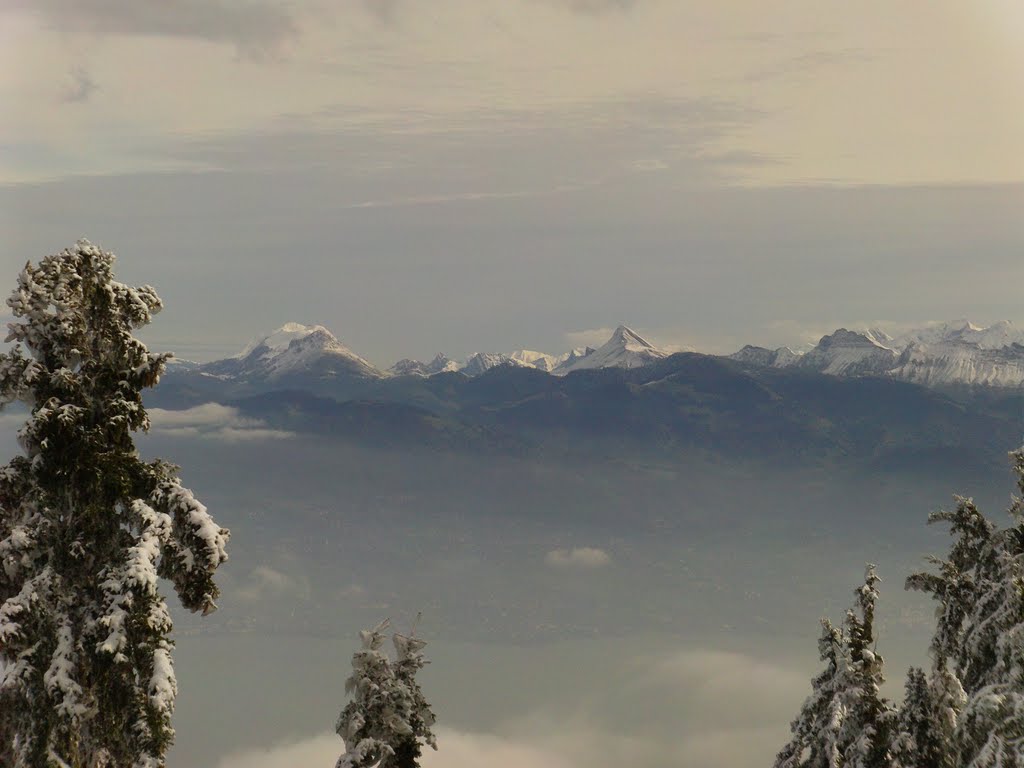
[
  {"x": 279, "y": 340},
  {"x": 849, "y": 353},
  {"x": 408, "y": 367},
  {"x": 484, "y": 361},
  {"x": 629, "y": 340},
  {"x": 949, "y": 354},
  {"x": 996, "y": 336},
  {"x": 539, "y": 360},
  {"x": 295, "y": 349},
  {"x": 625, "y": 349},
  {"x": 963, "y": 353}
]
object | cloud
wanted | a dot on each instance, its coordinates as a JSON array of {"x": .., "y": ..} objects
[
  {"x": 458, "y": 749},
  {"x": 321, "y": 750},
  {"x": 594, "y": 7},
  {"x": 213, "y": 421},
  {"x": 264, "y": 582},
  {"x": 255, "y": 27},
  {"x": 577, "y": 557},
  {"x": 81, "y": 88},
  {"x": 719, "y": 679}
]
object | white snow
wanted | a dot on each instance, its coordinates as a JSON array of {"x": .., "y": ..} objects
[
  {"x": 281, "y": 339},
  {"x": 484, "y": 361},
  {"x": 847, "y": 353},
  {"x": 995, "y": 336},
  {"x": 625, "y": 349},
  {"x": 538, "y": 360},
  {"x": 936, "y": 355},
  {"x": 293, "y": 348}
]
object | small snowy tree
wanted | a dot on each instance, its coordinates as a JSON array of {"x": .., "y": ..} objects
[
  {"x": 87, "y": 528},
  {"x": 845, "y": 723},
  {"x": 920, "y": 739},
  {"x": 388, "y": 719}
]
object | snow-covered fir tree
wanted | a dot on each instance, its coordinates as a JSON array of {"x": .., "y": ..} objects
[
  {"x": 87, "y": 527},
  {"x": 845, "y": 723},
  {"x": 388, "y": 720},
  {"x": 921, "y": 736},
  {"x": 979, "y": 639}
]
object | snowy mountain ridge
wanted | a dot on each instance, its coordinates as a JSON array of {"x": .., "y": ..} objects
[{"x": 936, "y": 355}]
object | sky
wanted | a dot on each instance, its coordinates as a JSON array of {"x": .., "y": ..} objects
[{"x": 484, "y": 175}]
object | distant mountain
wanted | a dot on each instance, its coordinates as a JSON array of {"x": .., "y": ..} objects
[
  {"x": 625, "y": 349},
  {"x": 954, "y": 363},
  {"x": 680, "y": 405},
  {"x": 995, "y": 336},
  {"x": 382, "y": 424},
  {"x": 769, "y": 358},
  {"x": 539, "y": 360},
  {"x": 849, "y": 353},
  {"x": 484, "y": 361},
  {"x": 294, "y": 350},
  {"x": 408, "y": 367},
  {"x": 948, "y": 356},
  {"x": 945, "y": 356}
]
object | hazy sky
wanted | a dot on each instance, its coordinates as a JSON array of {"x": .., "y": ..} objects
[{"x": 457, "y": 175}]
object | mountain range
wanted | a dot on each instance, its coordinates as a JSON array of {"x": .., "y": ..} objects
[
  {"x": 941, "y": 356},
  {"x": 855, "y": 397},
  {"x": 947, "y": 355}
]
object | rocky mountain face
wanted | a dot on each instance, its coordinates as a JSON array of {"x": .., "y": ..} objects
[{"x": 946, "y": 355}]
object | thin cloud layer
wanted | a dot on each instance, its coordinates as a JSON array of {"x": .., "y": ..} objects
[
  {"x": 577, "y": 557},
  {"x": 264, "y": 582},
  {"x": 252, "y": 26},
  {"x": 212, "y": 421},
  {"x": 467, "y": 62}
]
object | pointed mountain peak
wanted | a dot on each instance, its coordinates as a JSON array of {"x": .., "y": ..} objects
[
  {"x": 625, "y": 349},
  {"x": 626, "y": 336}
]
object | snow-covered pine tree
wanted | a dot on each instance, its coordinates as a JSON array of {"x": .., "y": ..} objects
[
  {"x": 388, "y": 719},
  {"x": 979, "y": 640},
  {"x": 87, "y": 527},
  {"x": 920, "y": 739},
  {"x": 845, "y": 723}
]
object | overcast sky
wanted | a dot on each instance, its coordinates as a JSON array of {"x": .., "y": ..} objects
[{"x": 462, "y": 175}]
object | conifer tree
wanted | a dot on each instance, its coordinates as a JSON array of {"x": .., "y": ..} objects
[
  {"x": 979, "y": 639},
  {"x": 87, "y": 527},
  {"x": 388, "y": 719},
  {"x": 920, "y": 740},
  {"x": 845, "y": 723}
]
